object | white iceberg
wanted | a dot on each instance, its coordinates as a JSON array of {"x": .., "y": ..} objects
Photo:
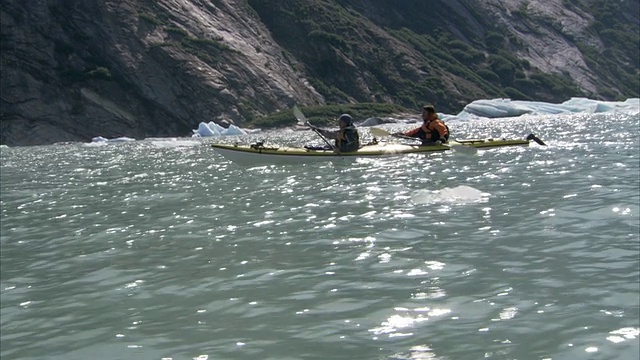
[
  {"x": 213, "y": 129},
  {"x": 497, "y": 108},
  {"x": 100, "y": 139}
]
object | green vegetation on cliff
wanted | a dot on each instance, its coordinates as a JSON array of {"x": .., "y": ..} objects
[
  {"x": 167, "y": 64},
  {"x": 394, "y": 53}
]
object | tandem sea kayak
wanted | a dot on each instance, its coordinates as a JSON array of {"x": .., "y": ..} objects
[{"x": 260, "y": 153}]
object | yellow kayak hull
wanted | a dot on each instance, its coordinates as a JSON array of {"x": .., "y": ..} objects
[{"x": 261, "y": 154}]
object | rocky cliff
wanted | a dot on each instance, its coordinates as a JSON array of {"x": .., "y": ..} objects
[{"x": 72, "y": 70}]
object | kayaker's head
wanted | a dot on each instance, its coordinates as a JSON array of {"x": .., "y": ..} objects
[
  {"x": 345, "y": 120},
  {"x": 428, "y": 112}
]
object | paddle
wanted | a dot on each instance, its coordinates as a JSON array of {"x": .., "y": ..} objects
[
  {"x": 382, "y": 133},
  {"x": 457, "y": 147},
  {"x": 302, "y": 120}
]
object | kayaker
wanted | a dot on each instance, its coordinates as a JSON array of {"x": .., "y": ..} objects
[
  {"x": 346, "y": 138},
  {"x": 432, "y": 131}
]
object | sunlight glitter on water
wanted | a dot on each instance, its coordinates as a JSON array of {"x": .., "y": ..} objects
[
  {"x": 183, "y": 253},
  {"x": 624, "y": 334}
]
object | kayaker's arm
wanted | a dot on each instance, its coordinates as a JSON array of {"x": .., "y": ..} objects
[
  {"x": 415, "y": 137},
  {"x": 411, "y": 133},
  {"x": 326, "y": 133},
  {"x": 402, "y": 135}
]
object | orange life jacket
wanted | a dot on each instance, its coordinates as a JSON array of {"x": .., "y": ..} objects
[{"x": 431, "y": 131}]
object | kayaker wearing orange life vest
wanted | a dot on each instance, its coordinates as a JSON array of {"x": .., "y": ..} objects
[{"x": 432, "y": 130}]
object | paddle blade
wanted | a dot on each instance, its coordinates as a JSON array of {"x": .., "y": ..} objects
[
  {"x": 302, "y": 120},
  {"x": 379, "y": 132}
]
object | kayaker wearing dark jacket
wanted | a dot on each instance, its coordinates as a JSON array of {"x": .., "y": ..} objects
[
  {"x": 347, "y": 138},
  {"x": 433, "y": 129}
]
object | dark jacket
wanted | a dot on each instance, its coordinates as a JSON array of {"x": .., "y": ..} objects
[{"x": 347, "y": 139}]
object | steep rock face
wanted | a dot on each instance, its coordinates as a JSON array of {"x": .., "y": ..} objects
[
  {"x": 545, "y": 27},
  {"x": 72, "y": 70}
]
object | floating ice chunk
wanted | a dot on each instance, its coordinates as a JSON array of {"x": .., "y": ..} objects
[
  {"x": 213, "y": 129},
  {"x": 497, "y": 108},
  {"x": 234, "y": 130},
  {"x": 205, "y": 130},
  {"x": 99, "y": 139}
]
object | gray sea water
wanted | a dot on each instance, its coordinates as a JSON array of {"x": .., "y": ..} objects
[{"x": 162, "y": 249}]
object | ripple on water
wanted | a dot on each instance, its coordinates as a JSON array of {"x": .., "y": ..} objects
[{"x": 162, "y": 249}]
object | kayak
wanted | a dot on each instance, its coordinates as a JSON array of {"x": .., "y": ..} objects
[{"x": 259, "y": 153}]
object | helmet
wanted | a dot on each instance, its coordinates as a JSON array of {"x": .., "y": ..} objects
[{"x": 346, "y": 119}]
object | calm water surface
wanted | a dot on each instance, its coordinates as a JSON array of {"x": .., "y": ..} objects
[{"x": 162, "y": 249}]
